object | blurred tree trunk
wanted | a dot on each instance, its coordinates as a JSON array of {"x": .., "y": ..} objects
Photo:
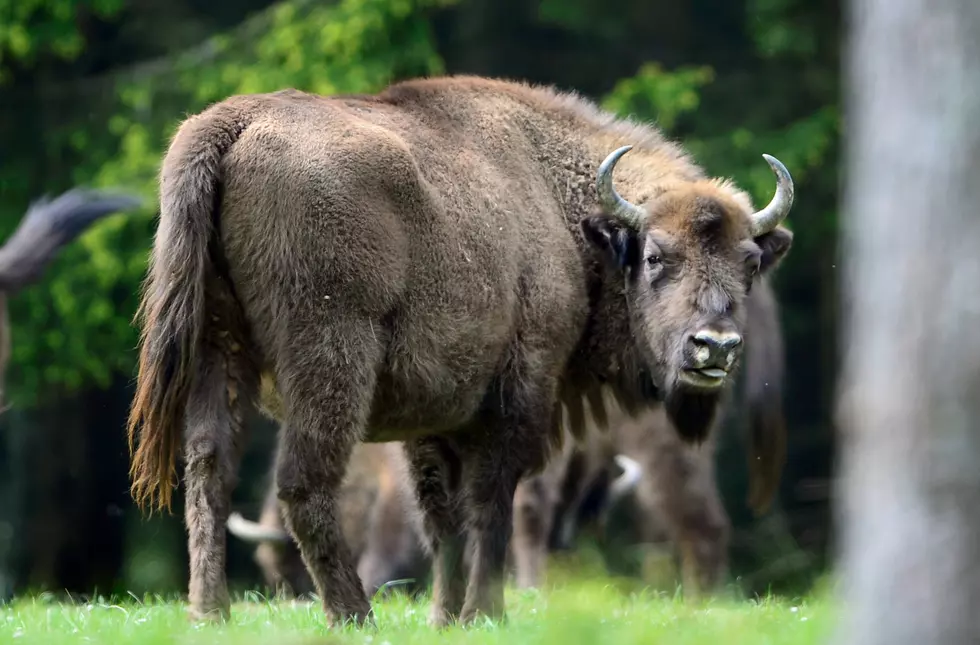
[{"x": 910, "y": 388}]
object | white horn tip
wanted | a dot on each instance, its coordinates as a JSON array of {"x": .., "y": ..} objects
[
  {"x": 778, "y": 167},
  {"x": 632, "y": 472},
  {"x": 253, "y": 531}
]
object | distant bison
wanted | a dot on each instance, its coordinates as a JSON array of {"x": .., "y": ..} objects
[
  {"x": 47, "y": 227},
  {"x": 447, "y": 264},
  {"x": 671, "y": 495},
  {"x": 378, "y": 517}
]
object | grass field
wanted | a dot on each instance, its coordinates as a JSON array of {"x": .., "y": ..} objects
[{"x": 590, "y": 611}]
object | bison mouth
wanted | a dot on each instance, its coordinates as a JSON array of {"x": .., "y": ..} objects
[{"x": 704, "y": 378}]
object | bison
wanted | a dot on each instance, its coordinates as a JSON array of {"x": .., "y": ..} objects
[
  {"x": 47, "y": 226},
  {"x": 376, "y": 519},
  {"x": 448, "y": 263},
  {"x": 677, "y": 498},
  {"x": 379, "y": 520}
]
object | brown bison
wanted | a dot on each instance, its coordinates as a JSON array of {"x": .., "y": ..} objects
[
  {"x": 676, "y": 496},
  {"x": 378, "y": 517},
  {"x": 47, "y": 227},
  {"x": 447, "y": 264}
]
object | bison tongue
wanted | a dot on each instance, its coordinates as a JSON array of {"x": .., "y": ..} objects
[{"x": 692, "y": 414}]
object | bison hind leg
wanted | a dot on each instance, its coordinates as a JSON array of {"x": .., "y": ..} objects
[
  {"x": 534, "y": 510},
  {"x": 213, "y": 444},
  {"x": 326, "y": 377},
  {"x": 435, "y": 468}
]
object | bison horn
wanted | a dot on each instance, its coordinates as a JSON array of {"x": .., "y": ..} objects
[
  {"x": 769, "y": 217},
  {"x": 632, "y": 472},
  {"x": 610, "y": 201},
  {"x": 253, "y": 531}
]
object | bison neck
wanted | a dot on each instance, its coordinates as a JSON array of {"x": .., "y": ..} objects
[{"x": 606, "y": 358}]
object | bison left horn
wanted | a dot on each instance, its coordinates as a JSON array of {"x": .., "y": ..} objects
[
  {"x": 769, "y": 217},
  {"x": 610, "y": 201}
]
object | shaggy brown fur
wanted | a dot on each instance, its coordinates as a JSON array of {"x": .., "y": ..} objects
[
  {"x": 47, "y": 227},
  {"x": 426, "y": 265},
  {"x": 676, "y": 498},
  {"x": 379, "y": 520}
]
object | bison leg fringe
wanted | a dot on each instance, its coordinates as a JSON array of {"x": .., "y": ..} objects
[{"x": 434, "y": 467}]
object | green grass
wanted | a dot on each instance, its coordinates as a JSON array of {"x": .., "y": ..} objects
[{"x": 586, "y": 612}]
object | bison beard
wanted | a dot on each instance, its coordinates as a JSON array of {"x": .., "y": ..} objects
[{"x": 692, "y": 413}]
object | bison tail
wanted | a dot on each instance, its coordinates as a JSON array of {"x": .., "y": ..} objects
[
  {"x": 171, "y": 314},
  {"x": 764, "y": 398}
]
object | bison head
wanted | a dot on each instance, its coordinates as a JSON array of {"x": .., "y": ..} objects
[{"x": 687, "y": 257}]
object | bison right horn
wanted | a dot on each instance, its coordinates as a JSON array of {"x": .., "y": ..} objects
[
  {"x": 769, "y": 217},
  {"x": 252, "y": 531},
  {"x": 611, "y": 201},
  {"x": 632, "y": 472}
]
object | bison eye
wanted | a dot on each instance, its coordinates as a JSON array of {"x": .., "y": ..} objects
[
  {"x": 752, "y": 266},
  {"x": 655, "y": 267}
]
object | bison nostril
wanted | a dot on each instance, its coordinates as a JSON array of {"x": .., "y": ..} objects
[
  {"x": 716, "y": 341},
  {"x": 698, "y": 342}
]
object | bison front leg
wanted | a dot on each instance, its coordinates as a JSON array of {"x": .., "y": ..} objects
[
  {"x": 534, "y": 508},
  {"x": 679, "y": 486},
  {"x": 492, "y": 467},
  {"x": 327, "y": 389},
  {"x": 435, "y": 469}
]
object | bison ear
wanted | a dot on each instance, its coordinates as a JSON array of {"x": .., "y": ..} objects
[
  {"x": 774, "y": 245},
  {"x": 612, "y": 237}
]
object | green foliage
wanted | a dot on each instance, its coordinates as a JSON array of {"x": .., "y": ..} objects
[
  {"x": 779, "y": 29},
  {"x": 654, "y": 94},
  {"x": 31, "y": 28}
]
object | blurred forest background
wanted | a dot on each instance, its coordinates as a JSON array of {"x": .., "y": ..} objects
[{"x": 90, "y": 92}]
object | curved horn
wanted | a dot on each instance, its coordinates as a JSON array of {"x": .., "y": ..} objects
[
  {"x": 769, "y": 217},
  {"x": 609, "y": 199},
  {"x": 632, "y": 471},
  {"x": 253, "y": 531}
]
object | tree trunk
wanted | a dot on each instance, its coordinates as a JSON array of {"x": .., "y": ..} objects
[{"x": 909, "y": 405}]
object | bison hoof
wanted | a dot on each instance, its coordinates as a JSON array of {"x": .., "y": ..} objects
[
  {"x": 493, "y": 613},
  {"x": 440, "y": 618},
  {"x": 363, "y": 617},
  {"x": 209, "y": 615}
]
